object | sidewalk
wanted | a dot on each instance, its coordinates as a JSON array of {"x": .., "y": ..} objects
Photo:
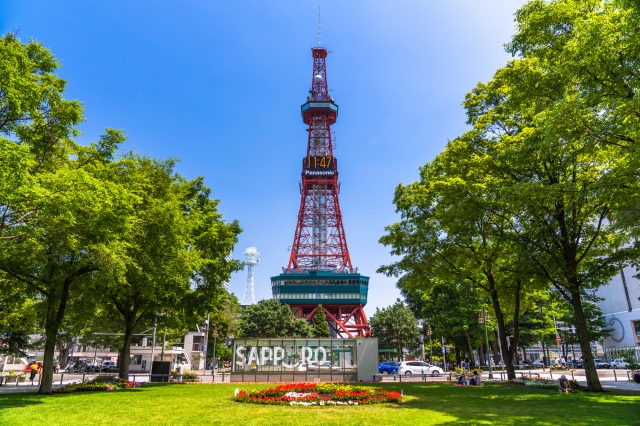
[{"x": 61, "y": 380}]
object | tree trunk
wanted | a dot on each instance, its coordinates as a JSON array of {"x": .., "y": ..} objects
[
  {"x": 55, "y": 314},
  {"x": 46, "y": 379},
  {"x": 508, "y": 361},
  {"x": 125, "y": 352},
  {"x": 63, "y": 352},
  {"x": 593, "y": 381},
  {"x": 470, "y": 348},
  {"x": 51, "y": 325}
]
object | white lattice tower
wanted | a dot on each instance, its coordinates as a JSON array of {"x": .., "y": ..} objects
[
  {"x": 227, "y": 284},
  {"x": 251, "y": 254}
]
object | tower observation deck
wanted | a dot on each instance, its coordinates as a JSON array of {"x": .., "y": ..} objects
[{"x": 319, "y": 271}]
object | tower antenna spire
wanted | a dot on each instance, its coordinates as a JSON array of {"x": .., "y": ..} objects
[{"x": 319, "y": 27}]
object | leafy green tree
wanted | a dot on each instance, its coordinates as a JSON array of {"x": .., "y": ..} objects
[
  {"x": 395, "y": 327},
  {"x": 452, "y": 229},
  {"x": 269, "y": 318},
  {"x": 452, "y": 312},
  {"x": 319, "y": 325},
  {"x": 556, "y": 128},
  {"x": 60, "y": 217},
  {"x": 176, "y": 253}
]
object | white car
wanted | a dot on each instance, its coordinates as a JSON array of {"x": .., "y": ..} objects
[
  {"x": 619, "y": 363},
  {"x": 409, "y": 368}
]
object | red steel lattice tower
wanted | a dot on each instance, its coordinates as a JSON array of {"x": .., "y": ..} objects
[
  {"x": 319, "y": 241},
  {"x": 319, "y": 271}
]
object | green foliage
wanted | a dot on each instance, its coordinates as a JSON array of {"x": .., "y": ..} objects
[
  {"x": 78, "y": 226},
  {"x": 395, "y": 327},
  {"x": 543, "y": 190},
  {"x": 319, "y": 325},
  {"x": 269, "y": 318}
]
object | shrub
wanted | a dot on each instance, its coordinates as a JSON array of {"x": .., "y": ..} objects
[{"x": 100, "y": 383}]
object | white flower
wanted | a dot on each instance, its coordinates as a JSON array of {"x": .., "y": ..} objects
[{"x": 237, "y": 391}]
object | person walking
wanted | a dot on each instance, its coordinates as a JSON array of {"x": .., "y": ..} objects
[
  {"x": 33, "y": 370},
  {"x": 180, "y": 371}
]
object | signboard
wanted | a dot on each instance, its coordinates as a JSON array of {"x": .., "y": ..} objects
[{"x": 318, "y": 166}]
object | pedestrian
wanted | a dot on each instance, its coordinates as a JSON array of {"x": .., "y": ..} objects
[
  {"x": 33, "y": 367},
  {"x": 180, "y": 371},
  {"x": 563, "y": 362}
]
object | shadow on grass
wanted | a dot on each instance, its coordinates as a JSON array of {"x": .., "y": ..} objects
[
  {"x": 26, "y": 399},
  {"x": 498, "y": 404}
]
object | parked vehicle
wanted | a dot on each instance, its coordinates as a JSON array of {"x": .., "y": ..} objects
[
  {"x": 619, "y": 363},
  {"x": 573, "y": 363},
  {"x": 108, "y": 367},
  {"x": 601, "y": 364},
  {"x": 418, "y": 367},
  {"x": 388, "y": 367}
]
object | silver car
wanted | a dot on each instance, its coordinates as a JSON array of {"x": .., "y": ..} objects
[{"x": 409, "y": 368}]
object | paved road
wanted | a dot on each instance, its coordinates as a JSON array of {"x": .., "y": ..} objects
[{"x": 610, "y": 379}]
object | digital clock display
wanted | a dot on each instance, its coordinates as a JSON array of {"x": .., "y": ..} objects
[{"x": 319, "y": 165}]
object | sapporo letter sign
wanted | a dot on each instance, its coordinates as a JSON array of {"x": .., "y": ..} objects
[{"x": 276, "y": 354}]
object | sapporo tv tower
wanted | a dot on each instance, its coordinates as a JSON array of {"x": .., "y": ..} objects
[{"x": 319, "y": 270}]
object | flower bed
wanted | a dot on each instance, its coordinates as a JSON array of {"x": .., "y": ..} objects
[
  {"x": 100, "y": 383},
  {"x": 317, "y": 394}
]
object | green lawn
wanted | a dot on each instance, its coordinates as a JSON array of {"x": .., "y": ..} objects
[{"x": 426, "y": 404}]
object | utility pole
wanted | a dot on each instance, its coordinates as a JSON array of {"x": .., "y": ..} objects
[
  {"x": 153, "y": 346},
  {"x": 483, "y": 319},
  {"x": 206, "y": 341},
  {"x": 429, "y": 332},
  {"x": 444, "y": 355},
  {"x": 213, "y": 368}
]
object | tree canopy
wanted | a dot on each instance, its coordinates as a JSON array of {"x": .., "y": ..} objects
[
  {"x": 550, "y": 163},
  {"x": 270, "y": 318},
  {"x": 74, "y": 218},
  {"x": 396, "y": 328}
]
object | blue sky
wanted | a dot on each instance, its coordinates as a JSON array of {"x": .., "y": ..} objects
[{"x": 219, "y": 84}]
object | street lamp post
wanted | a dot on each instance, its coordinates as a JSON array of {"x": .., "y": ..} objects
[
  {"x": 206, "y": 342},
  {"x": 153, "y": 347},
  {"x": 483, "y": 319},
  {"x": 215, "y": 336},
  {"x": 429, "y": 332}
]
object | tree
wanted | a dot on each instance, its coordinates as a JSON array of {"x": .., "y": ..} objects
[
  {"x": 319, "y": 325},
  {"x": 176, "y": 253},
  {"x": 556, "y": 127},
  {"x": 452, "y": 312},
  {"x": 395, "y": 327},
  {"x": 453, "y": 229},
  {"x": 269, "y": 318},
  {"x": 59, "y": 217}
]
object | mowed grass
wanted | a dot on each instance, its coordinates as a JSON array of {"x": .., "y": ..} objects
[{"x": 425, "y": 404}]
